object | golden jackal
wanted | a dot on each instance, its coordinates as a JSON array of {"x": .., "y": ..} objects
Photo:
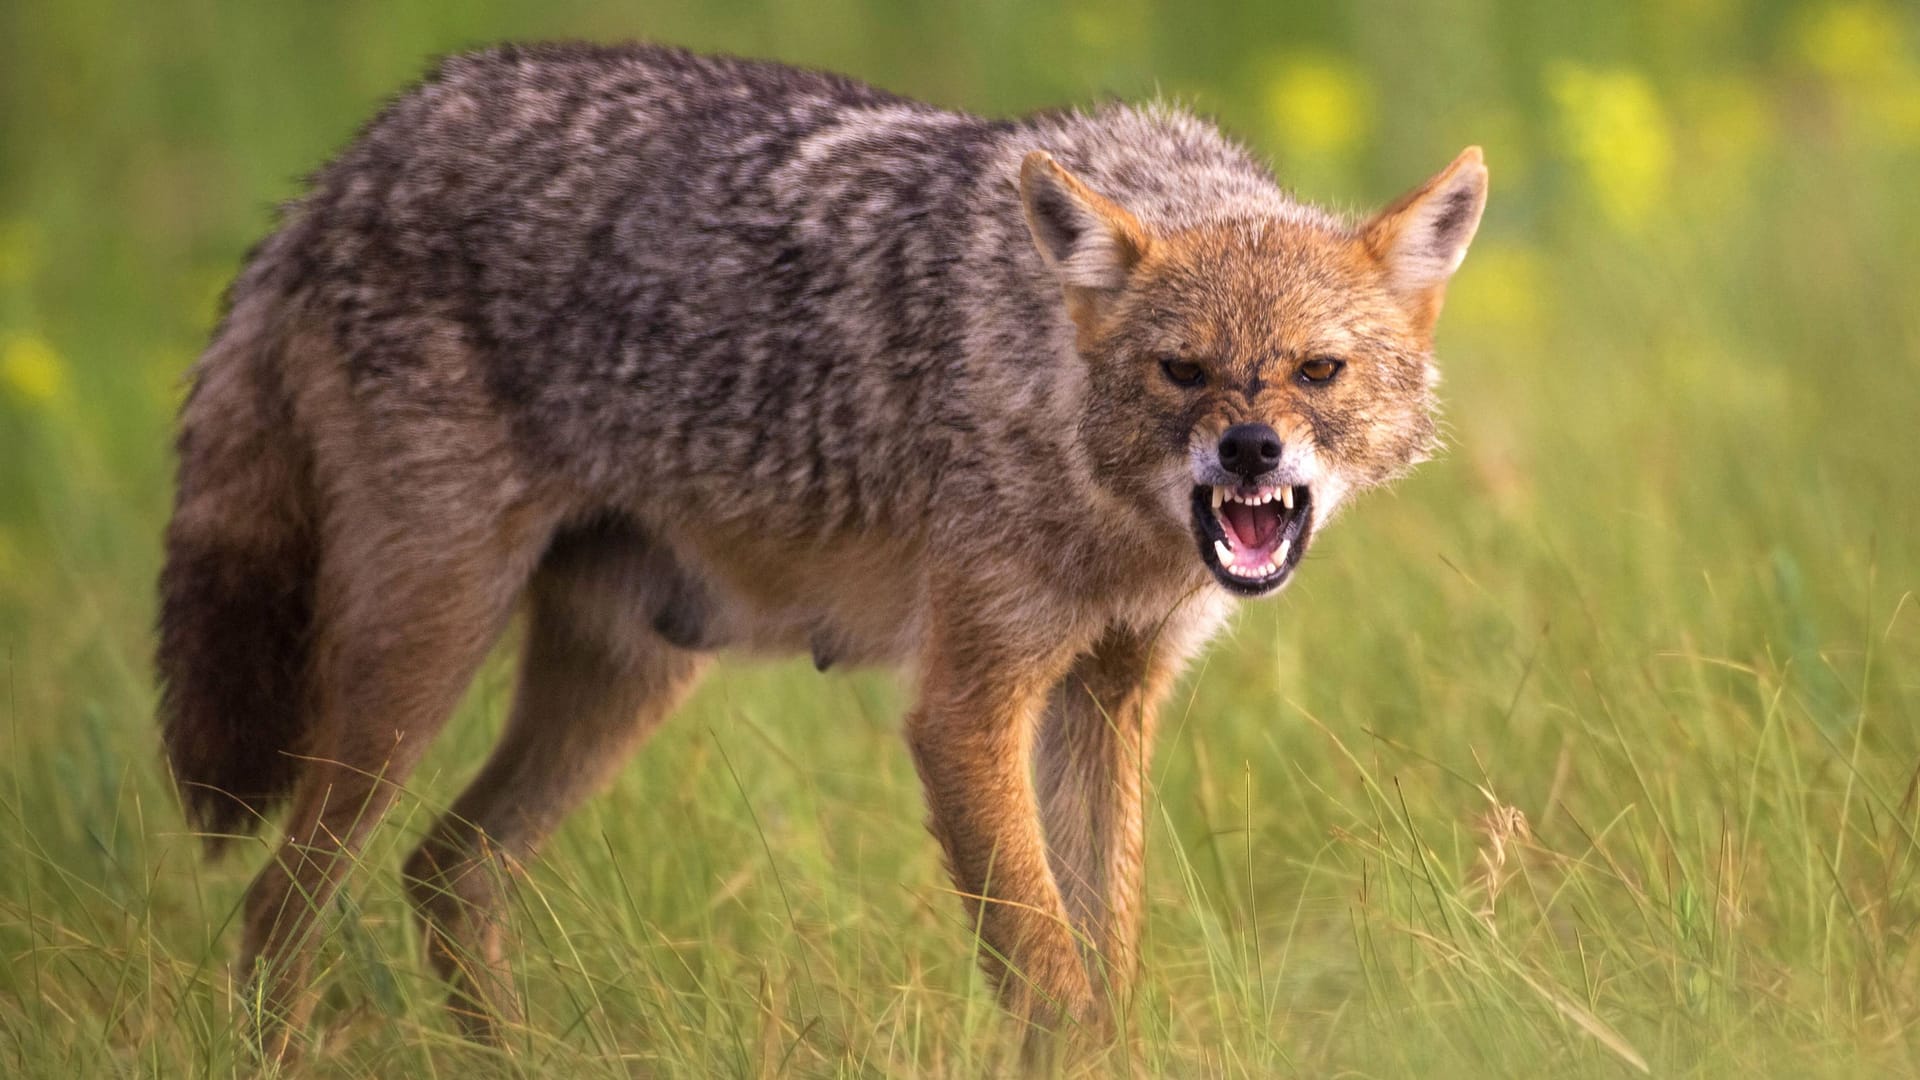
[{"x": 686, "y": 354}]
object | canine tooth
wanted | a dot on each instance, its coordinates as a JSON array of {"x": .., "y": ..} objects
[
  {"x": 1286, "y": 497},
  {"x": 1225, "y": 553},
  {"x": 1280, "y": 553},
  {"x": 1219, "y": 496}
]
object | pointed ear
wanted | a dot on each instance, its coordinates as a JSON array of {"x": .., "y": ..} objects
[
  {"x": 1090, "y": 241},
  {"x": 1420, "y": 240}
]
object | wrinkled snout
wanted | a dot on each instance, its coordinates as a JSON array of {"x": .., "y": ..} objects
[{"x": 1253, "y": 501}]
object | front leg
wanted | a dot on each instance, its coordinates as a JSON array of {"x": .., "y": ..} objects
[
  {"x": 982, "y": 689},
  {"x": 1093, "y": 751}
]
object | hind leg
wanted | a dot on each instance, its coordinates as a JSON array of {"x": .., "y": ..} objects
[
  {"x": 588, "y": 695},
  {"x": 403, "y": 623}
]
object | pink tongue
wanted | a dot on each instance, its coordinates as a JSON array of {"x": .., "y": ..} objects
[{"x": 1250, "y": 526}]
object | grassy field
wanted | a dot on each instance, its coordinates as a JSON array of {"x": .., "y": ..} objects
[{"x": 1590, "y": 750}]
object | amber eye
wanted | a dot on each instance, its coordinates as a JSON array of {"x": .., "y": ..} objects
[
  {"x": 1321, "y": 369},
  {"x": 1183, "y": 372}
]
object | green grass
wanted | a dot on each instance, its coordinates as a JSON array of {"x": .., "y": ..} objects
[{"x": 1658, "y": 596}]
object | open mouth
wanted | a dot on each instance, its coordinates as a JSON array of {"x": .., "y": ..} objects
[{"x": 1252, "y": 536}]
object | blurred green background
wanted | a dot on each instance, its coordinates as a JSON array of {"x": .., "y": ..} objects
[{"x": 1657, "y": 597}]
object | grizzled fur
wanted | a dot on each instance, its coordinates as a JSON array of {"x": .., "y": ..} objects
[{"x": 682, "y": 354}]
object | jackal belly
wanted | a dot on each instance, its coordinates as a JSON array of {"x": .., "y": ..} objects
[{"x": 854, "y": 603}]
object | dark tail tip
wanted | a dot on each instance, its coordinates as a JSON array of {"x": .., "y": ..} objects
[{"x": 235, "y": 625}]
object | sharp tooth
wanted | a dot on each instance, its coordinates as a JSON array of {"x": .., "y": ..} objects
[
  {"x": 1224, "y": 553},
  {"x": 1219, "y": 496},
  {"x": 1280, "y": 553},
  {"x": 1286, "y": 497}
]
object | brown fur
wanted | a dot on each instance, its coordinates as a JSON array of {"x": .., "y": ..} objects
[{"x": 938, "y": 434}]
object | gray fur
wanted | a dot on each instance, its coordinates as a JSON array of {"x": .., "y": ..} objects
[
  {"x": 683, "y": 353},
  {"x": 713, "y": 289}
]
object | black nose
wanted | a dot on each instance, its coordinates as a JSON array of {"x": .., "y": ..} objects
[{"x": 1250, "y": 449}]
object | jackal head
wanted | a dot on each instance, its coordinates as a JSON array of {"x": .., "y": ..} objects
[{"x": 1245, "y": 376}]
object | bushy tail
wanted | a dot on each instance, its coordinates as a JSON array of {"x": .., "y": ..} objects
[{"x": 237, "y": 590}]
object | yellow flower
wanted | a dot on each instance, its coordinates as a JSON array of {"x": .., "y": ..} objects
[
  {"x": 1864, "y": 52},
  {"x": 31, "y": 371},
  {"x": 1859, "y": 40},
  {"x": 1320, "y": 105},
  {"x": 1612, "y": 122}
]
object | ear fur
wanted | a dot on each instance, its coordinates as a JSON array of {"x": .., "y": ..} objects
[
  {"x": 1420, "y": 239},
  {"x": 1090, "y": 241}
]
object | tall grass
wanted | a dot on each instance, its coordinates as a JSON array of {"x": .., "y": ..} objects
[{"x": 1589, "y": 750}]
